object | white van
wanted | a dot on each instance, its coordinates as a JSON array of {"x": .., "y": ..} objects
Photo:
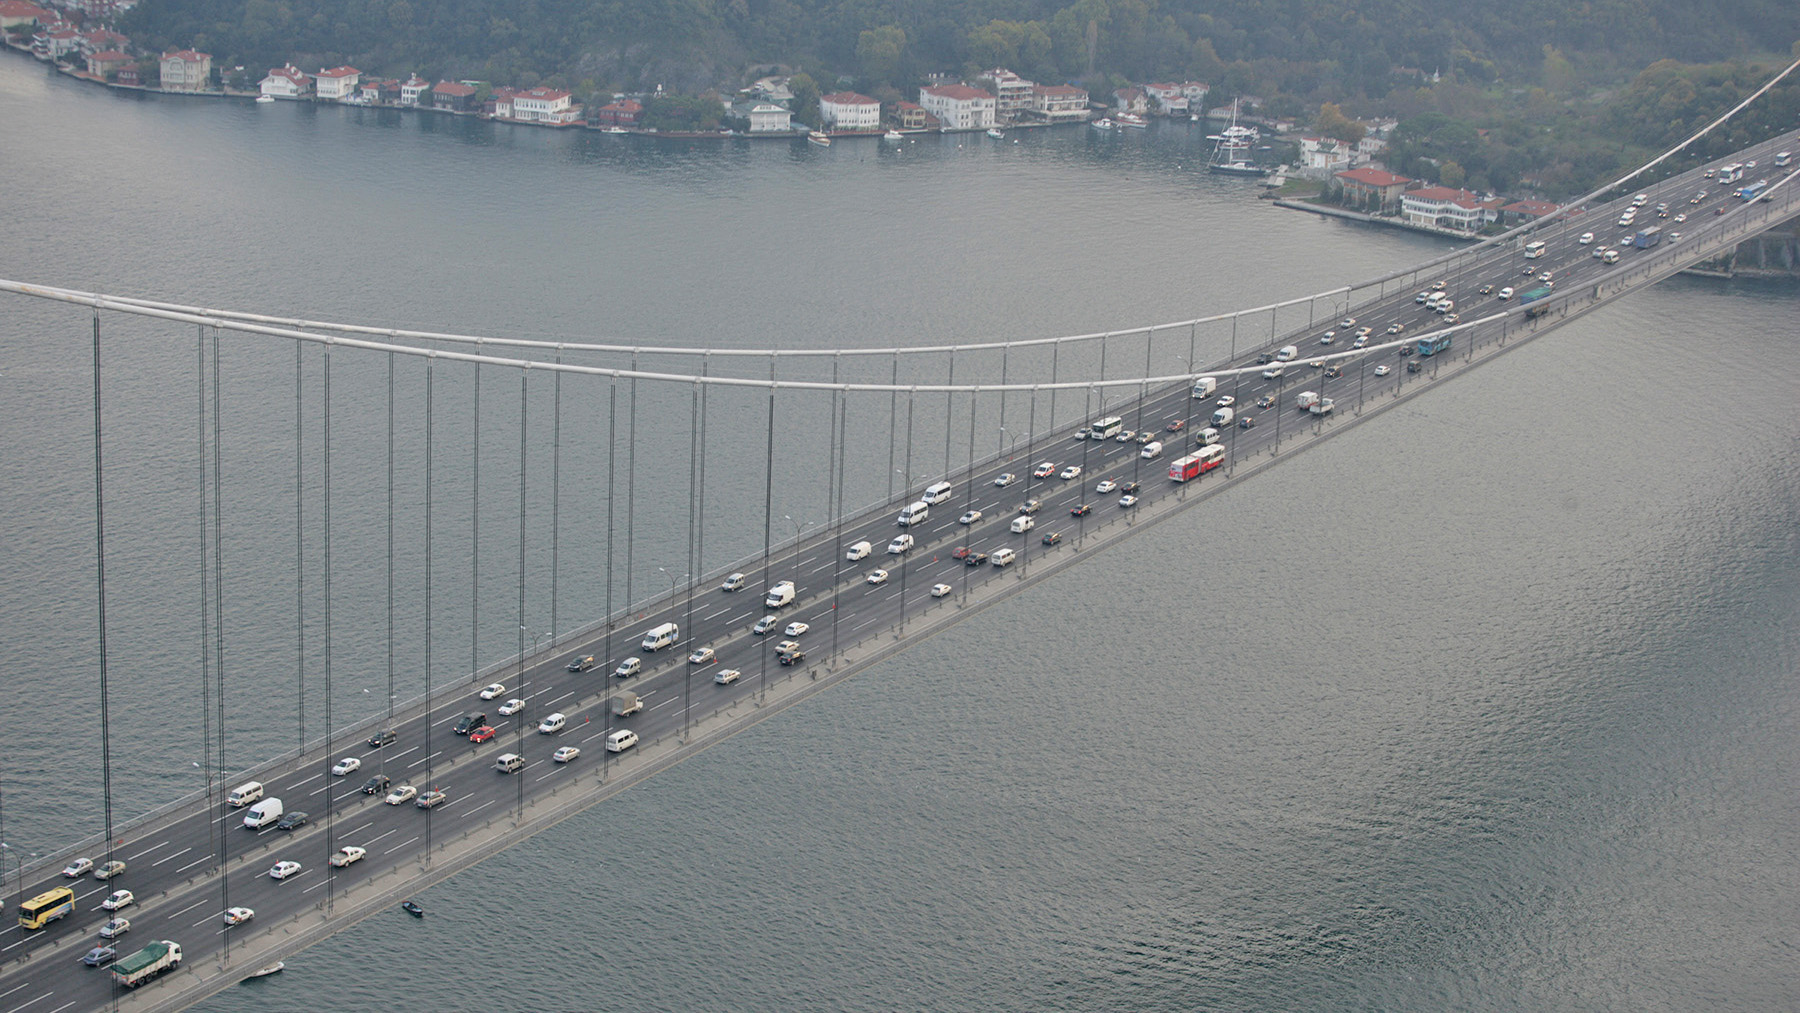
[
  {"x": 509, "y": 763},
  {"x": 1207, "y": 437},
  {"x": 629, "y": 667},
  {"x": 1003, "y": 557},
  {"x": 1288, "y": 353},
  {"x": 263, "y": 813},
  {"x": 552, "y": 724},
  {"x": 858, "y": 551},
  {"x": 244, "y": 794},
  {"x": 1023, "y": 523},
  {"x": 1222, "y": 418},
  {"x": 782, "y": 594},
  {"x": 1151, "y": 451},
  {"x": 937, "y": 492},
  {"x": 661, "y": 637},
  {"x": 913, "y": 514},
  {"x": 1204, "y": 386},
  {"x": 621, "y": 740}
]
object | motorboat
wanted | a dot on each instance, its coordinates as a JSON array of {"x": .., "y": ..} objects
[
  {"x": 265, "y": 99},
  {"x": 412, "y": 908},
  {"x": 893, "y": 135},
  {"x": 1132, "y": 120},
  {"x": 996, "y": 133},
  {"x": 819, "y": 137},
  {"x": 1102, "y": 124},
  {"x": 615, "y": 130},
  {"x": 275, "y": 968}
]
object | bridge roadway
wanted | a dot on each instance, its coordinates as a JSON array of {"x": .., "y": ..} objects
[{"x": 169, "y": 860}]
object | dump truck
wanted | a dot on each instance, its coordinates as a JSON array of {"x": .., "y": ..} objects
[
  {"x": 626, "y": 704},
  {"x": 147, "y": 963}
]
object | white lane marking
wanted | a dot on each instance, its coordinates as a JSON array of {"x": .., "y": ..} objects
[
  {"x": 665, "y": 703},
  {"x": 9, "y": 946},
  {"x": 865, "y": 622},
  {"x": 166, "y": 858},
  {"x": 146, "y": 851},
  {"x": 315, "y": 886},
  {"x": 397, "y": 847},
  {"x": 22, "y": 1005},
  {"x": 202, "y": 860},
  {"x": 15, "y": 988},
  {"x": 552, "y": 704},
  {"x": 715, "y": 615},
  {"x": 554, "y": 768},
  {"x": 416, "y": 762},
  {"x": 65, "y": 1006},
  {"x": 190, "y": 907},
  {"x": 480, "y": 807},
  {"x": 371, "y": 841}
]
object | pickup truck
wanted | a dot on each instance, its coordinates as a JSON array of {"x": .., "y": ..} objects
[{"x": 1322, "y": 406}]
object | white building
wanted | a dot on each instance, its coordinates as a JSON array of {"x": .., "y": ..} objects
[
  {"x": 846, "y": 110},
  {"x": 1168, "y": 99},
  {"x": 1012, "y": 93},
  {"x": 1325, "y": 154},
  {"x": 415, "y": 91},
  {"x": 286, "y": 82},
  {"x": 1446, "y": 208},
  {"x": 544, "y": 105},
  {"x": 1057, "y": 103},
  {"x": 958, "y": 106},
  {"x": 186, "y": 70},
  {"x": 337, "y": 84},
  {"x": 770, "y": 119}
]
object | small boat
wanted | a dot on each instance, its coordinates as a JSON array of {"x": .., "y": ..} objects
[
  {"x": 615, "y": 130},
  {"x": 1132, "y": 120},
  {"x": 893, "y": 135},
  {"x": 413, "y": 909},
  {"x": 996, "y": 133},
  {"x": 264, "y": 99},
  {"x": 819, "y": 137},
  {"x": 1102, "y": 124},
  {"x": 263, "y": 972}
]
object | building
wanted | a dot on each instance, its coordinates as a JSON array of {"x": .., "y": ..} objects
[
  {"x": 1521, "y": 211},
  {"x": 545, "y": 105},
  {"x": 14, "y": 13},
  {"x": 500, "y": 104},
  {"x": 1058, "y": 103},
  {"x": 102, "y": 39},
  {"x": 415, "y": 91},
  {"x": 1012, "y": 93},
  {"x": 624, "y": 112},
  {"x": 56, "y": 43},
  {"x": 1445, "y": 208},
  {"x": 186, "y": 70},
  {"x": 337, "y": 84},
  {"x": 108, "y": 62},
  {"x": 1131, "y": 100},
  {"x": 767, "y": 118},
  {"x": 378, "y": 93},
  {"x": 1168, "y": 99},
  {"x": 846, "y": 110},
  {"x": 958, "y": 106},
  {"x": 286, "y": 82},
  {"x": 1324, "y": 154},
  {"x": 453, "y": 97},
  {"x": 911, "y": 115},
  {"x": 1371, "y": 188}
]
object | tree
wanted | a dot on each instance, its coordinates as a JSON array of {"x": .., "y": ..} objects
[
  {"x": 879, "y": 51},
  {"x": 806, "y": 98},
  {"x": 1331, "y": 122}
]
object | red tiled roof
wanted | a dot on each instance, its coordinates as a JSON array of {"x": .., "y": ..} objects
[
  {"x": 110, "y": 56},
  {"x": 958, "y": 92},
  {"x": 1065, "y": 90},
  {"x": 542, "y": 94},
  {"x": 453, "y": 89},
  {"x": 629, "y": 105},
  {"x": 1373, "y": 177},
  {"x": 187, "y": 56},
  {"x": 339, "y": 72},
  {"x": 848, "y": 98},
  {"x": 22, "y": 9},
  {"x": 1443, "y": 193}
]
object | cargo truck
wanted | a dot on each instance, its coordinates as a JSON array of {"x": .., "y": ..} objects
[
  {"x": 1647, "y": 238},
  {"x": 1533, "y": 296},
  {"x": 626, "y": 704},
  {"x": 147, "y": 963}
]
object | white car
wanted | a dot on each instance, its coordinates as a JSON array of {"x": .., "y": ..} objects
[
  {"x": 79, "y": 867},
  {"x": 1006, "y": 479},
  {"x": 1586, "y": 238},
  {"x": 1128, "y": 500},
  {"x": 1382, "y": 371},
  {"x": 726, "y": 676},
  {"x": 115, "y": 928},
  {"x": 567, "y": 753},
  {"x": 347, "y": 854},
  {"x": 1227, "y": 401},
  {"x": 940, "y": 590},
  {"x": 511, "y": 707},
  {"x": 493, "y": 690},
  {"x": 900, "y": 544},
  {"x": 969, "y": 517},
  {"x": 1346, "y": 323},
  {"x": 401, "y": 795},
  {"x": 1505, "y": 293},
  {"x": 346, "y": 766},
  {"x": 1274, "y": 372},
  {"x": 765, "y": 624},
  {"x": 735, "y": 582},
  {"x": 1317, "y": 364},
  {"x": 795, "y": 629},
  {"x": 1106, "y": 485},
  {"x": 877, "y": 577},
  {"x": 1071, "y": 472},
  {"x": 118, "y": 899},
  {"x": 238, "y": 915},
  {"x": 1044, "y": 470},
  {"x": 283, "y": 870},
  {"x": 701, "y": 656},
  {"x": 1126, "y": 437},
  {"x": 1328, "y": 338}
]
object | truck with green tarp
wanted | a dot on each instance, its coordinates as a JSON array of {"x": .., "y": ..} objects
[
  {"x": 1533, "y": 296},
  {"x": 147, "y": 963}
]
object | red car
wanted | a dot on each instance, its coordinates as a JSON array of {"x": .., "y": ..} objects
[
  {"x": 1175, "y": 426},
  {"x": 962, "y": 552},
  {"x": 482, "y": 734}
]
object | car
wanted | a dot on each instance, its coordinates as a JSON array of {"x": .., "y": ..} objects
[
  {"x": 115, "y": 928},
  {"x": 283, "y": 869},
  {"x": 404, "y": 793},
  {"x": 1005, "y": 479},
  {"x": 1030, "y": 506},
  {"x": 1546, "y": 276},
  {"x": 1662, "y": 214},
  {"x": 1505, "y": 293},
  {"x": 1640, "y": 200},
  {"x": 969, "y": 517},
  {"x": 1274, "y": 372},
  {"x": 492, "y": 690},
  {"x": 1081, "y": 510},
  {"x": 1265, "y": 358},
  {"x": 960, "y": 552},
  {"x": 1678, "y": 219},
  {"x": 431, "y": 799},
  {"x": 1599, "y": 251},
  {"x": 1486, "y": 290},
  {"x": 628, "y": 668},
  {"x": 1405, "y": 350},
  {"x": 1333, "y": 372},
  {"x": 1227, "y": 401},
  {"x": 735, "y": 582},
  {"x": 580, "y": 664},
  {"x": 1130, "y": 487},
  {"x": 1360, "y": 343},
  {"x": 787, "y": 647},
  {"x": 238, "y": 915},
  {"x": 118, "y": 899},
  {"x": 1529, "y": 270},
  {"x": 1106, "y": 485},
  {"x": 99, "y": 955},
  {"x": 1125, "y": 436},
  {"x": 1674, "y": 237},
  {"x": 385, "y": 737},
  {"x": 1662, "y": 205},
  {"x": 1586, "y": 238},
  {"x": 1317, "y": 364},
  {"x": 1424, "y": 297},
  {"x": 1247, "y": 422},
  {"x": 1128, "y": 500},
  {"x": 1266, "y": 401},
  {"x": 1145, "y": 437},
  {"x": 376, "y": 785},
  {"x": 702, "y": 656},
  {"x": 765, "y": 624},
  {"x": 511, "y": 707},
  {"x": 1346, "y": 323},
  {"x": 1083, "y": 433},
  {"x": 1363, "y": 332},
  {"x": 1697, "y": 198},
  {"x": 566, "y": 753},
  {"x": 292, "y": 821},
  {"x": 110, "y": 869},
  {"x": 1396, "y": 328},
  {"x": 877, "y": 577},
  {"x": 1051, "y": 537},
  {"x": 1382, "y": 371},
  {"x": 1328, "y": 337},
  {"x": 1719, "y": 210},
  {"x": 481, "y": 734},
  {"x": 1176, "y": 426},
  {"x": 940, "y": 590},
  {"x": 1413, "y": 366},
  {"x": 726, "y": 676},
  {"x": 795, "y": 629},
  {"x": 975, "y": 559},
  {"x": 1073, "y": 471},
  {"x": 1452, "y": 318},
  {"x": 347, "y": 854},
  {"x": 901, "y": 543},
  {"x": 1044, "y": 470},
  {"x": 346, "y": 766},
  {"x": 78, "y": 868}
]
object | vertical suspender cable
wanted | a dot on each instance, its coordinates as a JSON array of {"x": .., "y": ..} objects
[
  {"x": 556, "y": 492},
  {"x": 299, "y": 542},
  {"x": 218, "y": 561},
  {"x": 687, "y": 671},
  {"x": 100, "y": 597},
  {"x": 390, "y": 550},
  {"x": 430, "y": 363},
  {"x": 205, "y": 763},
  {"x": 631, "y": 485},
  {"x": 325, "y": 772},
  {"x": 769, "y": 517},
  {"x": 612, "y": 456},
  {"x": 893, "y": 417},
  {"x": 1005, "y": 360},
  {"x": 837, "y": 511},
  {"x": 911, "y": 395},
  {"x": 699, "y": 531},
  {"x": 524, "y": 681},
  {"x": 475, "y": 533},
  {"x": 949, "y": 413}
]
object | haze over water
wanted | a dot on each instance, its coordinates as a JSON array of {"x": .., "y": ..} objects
[{"x": 1487, "y": 704}]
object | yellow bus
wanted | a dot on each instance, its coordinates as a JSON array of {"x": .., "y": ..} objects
[{"x": 46, "y": 907}]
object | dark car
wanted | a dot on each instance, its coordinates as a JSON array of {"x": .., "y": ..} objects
[
  {"x": 99, "y": 955},
  {"x": 482, "y": 734},
  {"x": 1406, "y": 350},
  {"x": 1333, "y": 373},
  {"x": 1081, "y": 510},
  {"x": 469, "y": 723},
  {"x": 1413, "y": 366},
  {"x": 292, "y": 821},
  {"x": 975, "y": 559},
  {"x": 1486, "y": 289},
  {"x": 378, "y": 783},
  {"x": 1264, "y": 359},
  {"x": 581, "y": 664},
  {"x": 1246, "y": 423},
  {"x": 1052, "y": 537},
  {"x": 1129, "y": 487},
  {"x": 382, "y": 738}
]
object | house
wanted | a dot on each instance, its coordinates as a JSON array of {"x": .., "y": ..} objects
[
  {"x": 101, "y": 39},
  {"x": 620, "y": 113},
  {"x": 1521, "y": 211},
  {"x": 1168, "y": 99},
  {"x": 415, "y": 91},
  {"x": 1012, "y": 93},
  {"x": 14, "y": 13},
  {"x": 129, "y": 77},
  {"x": 1371, "y": 188},
  {"x": 378, "y": 93},
  {"x": 958, "y": 106},
  {"x": 1131, "y": 100},
  {"x": 453, "y": 97},
  {"x": 337, "y": 84},
  {"x": 186, "y": 70},
  {"x": 1447, "y": 208},
  {"x": 846, "y": 110},
  {"x": 545, "y": 105},
  {"x": 500, "y": 104},
  {"x": 768, "y": 118},
  {"x": 286, "y": 82},
  {"x": 108, "y": 62},
  {"x": 1195, "y": 93},
  {"x": 1058, "y": 103},
  {"x": 56, "y": 43},
  {"x": 910, "y": 115},
  {"x": 1324, "y": 154}
]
